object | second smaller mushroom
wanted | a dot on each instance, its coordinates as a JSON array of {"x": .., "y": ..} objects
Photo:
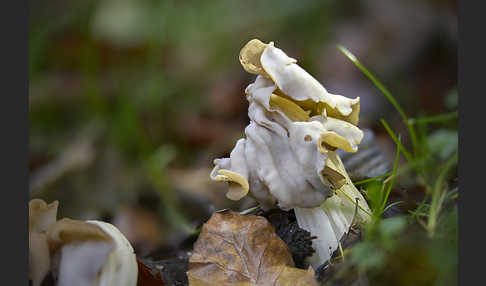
[{"x": 77, "y": 252}]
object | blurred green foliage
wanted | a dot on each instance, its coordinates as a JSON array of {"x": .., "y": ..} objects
[{"x": 134, "y": 64}]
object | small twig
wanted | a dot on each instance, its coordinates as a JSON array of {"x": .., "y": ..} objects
[{"x": 341, "y": 250}]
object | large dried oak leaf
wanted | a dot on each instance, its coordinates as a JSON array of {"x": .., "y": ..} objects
[{"x": 234, "y": 249}]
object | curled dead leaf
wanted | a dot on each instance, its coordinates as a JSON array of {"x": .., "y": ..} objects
[{"x": 234, "y": 249}]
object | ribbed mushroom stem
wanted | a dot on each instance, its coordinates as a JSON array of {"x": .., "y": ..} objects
[{"x": 317, "y": 222}]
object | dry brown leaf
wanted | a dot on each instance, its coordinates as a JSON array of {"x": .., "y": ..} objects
[
  {"x": 234, "y": 249},
  {"x": 147, "y": 278}
]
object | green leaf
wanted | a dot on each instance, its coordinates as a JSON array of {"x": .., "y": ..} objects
[
  {"x": 367, "y": 256},
  {"x": 443, "y": 142},
  {"x": 373, "y": 194},
  {"x": 392, "y": 226}
]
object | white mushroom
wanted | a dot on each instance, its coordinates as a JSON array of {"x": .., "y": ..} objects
[{"x": 288, "y": 157}]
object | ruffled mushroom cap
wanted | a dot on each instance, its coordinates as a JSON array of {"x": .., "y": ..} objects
[
  {"x": 294, "y": 82},
  {"x": 291, "y": 132}
]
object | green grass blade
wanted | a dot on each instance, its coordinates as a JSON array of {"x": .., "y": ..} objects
[
  {"x": 402, "y": 148},
  {"x": 388, "y": 95},
  {"x": 392, "y": 205},
  {"x": 435, "y": 118},
  {"x": 394, "y": 172},
  {"x": 369, "y": 180},
  {"x": 375, "y": 81},
  {"x": 404, "y": 168},
  {"x": 435, "y": 205}
]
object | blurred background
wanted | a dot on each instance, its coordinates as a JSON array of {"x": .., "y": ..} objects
[{"x": 131, "y": 100}]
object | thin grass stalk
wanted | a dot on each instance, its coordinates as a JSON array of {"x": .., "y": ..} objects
[
  {"x": 388, "y": 95},
  {"x": 390, "y": 185},
  {"x": 434, "y": 119},
  {"x": 436, "y": 195}
]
